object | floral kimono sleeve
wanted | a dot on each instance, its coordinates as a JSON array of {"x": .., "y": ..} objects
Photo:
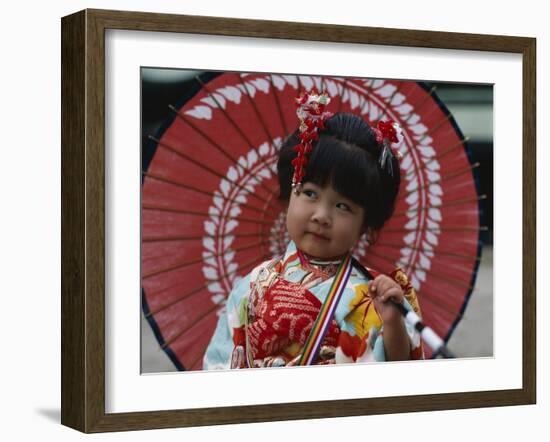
[
  {"x": 411, "y": 303},
  {"x": 219, "y": 352},
  {"x": 362, "y": 331}
]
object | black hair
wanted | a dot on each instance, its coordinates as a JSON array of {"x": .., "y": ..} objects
[{"x": 346, "y": 155}]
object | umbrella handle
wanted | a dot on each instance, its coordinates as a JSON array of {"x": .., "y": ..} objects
[{"x": 430, "y": 337}]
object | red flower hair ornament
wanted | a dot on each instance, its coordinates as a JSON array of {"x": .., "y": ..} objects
[
  {"x": 388, "y": 133},
  {"x": 312, "y": 115}
]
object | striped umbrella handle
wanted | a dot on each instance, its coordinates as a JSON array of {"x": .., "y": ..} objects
[{"x": 428, "y": 335}]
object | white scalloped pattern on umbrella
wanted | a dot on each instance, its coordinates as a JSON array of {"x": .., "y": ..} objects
[{"x": 259, "y": 164}]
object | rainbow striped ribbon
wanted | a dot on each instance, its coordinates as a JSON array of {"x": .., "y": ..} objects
[{"x": 322, "y": 323}]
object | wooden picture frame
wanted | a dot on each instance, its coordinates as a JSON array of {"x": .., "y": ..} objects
[{"x": 83, "y": 220}]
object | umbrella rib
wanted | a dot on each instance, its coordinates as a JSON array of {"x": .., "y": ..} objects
[
  {"x": 226, "y": 115},
  {"x": 447, "y": 204},
  {"x": 146, "y": 239},
  {"x": 440, "y": 304},
  {"x": 322, "y": 82},
  {"x": 445, "y": 228},
  {"x": 431, "y": 272},
  {"x": 345, "y": 87},
  {"x": 459, "y": 172},
  {"x": 278, "y": 106},
  {"x": 197, "y": 360},
  {"x": 444, "y": 253},
  {"x": 447, "y": 176},
  {"x": 422, "y": 103},
  {"x": 318, "y": 83},
  {"x": 203, "y": 286},
  {"x": 222, "y": 110},
  {"x": 201, "y": 214},
  {"x": 400, "y": 83},
  {"x": 312, "y": 79},
  {"x": 324, "y": 89},
  {"x": 404, "y": 99},
  {"x": 192, "y": 238},
  {"x": 256, "y": 111},
  {"x": 204, "y": 257},
  {"x": 444, "y": 278},
  {"x": 440, "y": 155},
  {"x": 191, "y": 325},
  {"x": 218, "y": 147},
  {"x": 435, "y": 128},
  {"x": 188, "y": 187},
  {"x": 340, "y": 89},
  {"x": 301, "y": 87},
  {"x": 212, "y": 171},
  {"x": 425, "y": 299},
  {"x": 183, "y": 264},
  {"x": 431, "y": 131}
]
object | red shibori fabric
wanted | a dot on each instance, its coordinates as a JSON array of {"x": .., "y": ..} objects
[{"x": 285, "y": 315}]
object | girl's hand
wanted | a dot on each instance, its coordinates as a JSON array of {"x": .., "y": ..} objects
[
  {"x": 382, "y": 289},
  {"x": 396, "y": 341}
]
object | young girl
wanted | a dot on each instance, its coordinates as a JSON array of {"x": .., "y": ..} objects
[{"x": 317, "y": 304}]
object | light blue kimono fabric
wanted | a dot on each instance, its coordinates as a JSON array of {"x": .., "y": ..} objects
[{"x": 220, "y": 348}]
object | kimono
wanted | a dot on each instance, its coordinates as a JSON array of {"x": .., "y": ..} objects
[{"x": 270, "y": 312}]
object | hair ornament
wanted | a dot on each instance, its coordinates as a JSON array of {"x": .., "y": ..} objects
[
  {"x": 312, "y": 115},
  {"x": 388, "y": 133}
]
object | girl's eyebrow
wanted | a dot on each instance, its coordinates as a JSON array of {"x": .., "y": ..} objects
[
  {"x": 349, "y": 202},
  {"x": 345, "y": 198},
  {"x": 312, "y": 186}
]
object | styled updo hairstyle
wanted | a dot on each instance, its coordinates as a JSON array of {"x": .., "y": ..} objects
[{"x": 346, "y": 155}]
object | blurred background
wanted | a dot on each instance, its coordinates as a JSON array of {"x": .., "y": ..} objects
[{"x": 471, "y": 106}]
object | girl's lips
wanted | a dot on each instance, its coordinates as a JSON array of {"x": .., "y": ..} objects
[{"x": 318, "y": 236}]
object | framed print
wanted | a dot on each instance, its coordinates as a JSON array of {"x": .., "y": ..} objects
[
  {"x": 179, "y": 243},
  {"x": 164, "y": 216}
]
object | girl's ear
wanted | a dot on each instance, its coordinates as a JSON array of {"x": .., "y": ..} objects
[{"x": 372, "y": 235}]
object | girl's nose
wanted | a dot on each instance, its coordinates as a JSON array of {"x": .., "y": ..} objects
[{"x": 321, "y": 216}]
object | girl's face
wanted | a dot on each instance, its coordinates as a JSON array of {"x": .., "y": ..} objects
[{"x": 322, "y": 222}]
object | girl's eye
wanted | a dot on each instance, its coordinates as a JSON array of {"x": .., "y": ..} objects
[
  {"x": 309, "y": 193},
  {"x": 344, "y": 206}
]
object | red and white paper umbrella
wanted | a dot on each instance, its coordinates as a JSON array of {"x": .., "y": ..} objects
[{"x": 210, "y": 211}]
